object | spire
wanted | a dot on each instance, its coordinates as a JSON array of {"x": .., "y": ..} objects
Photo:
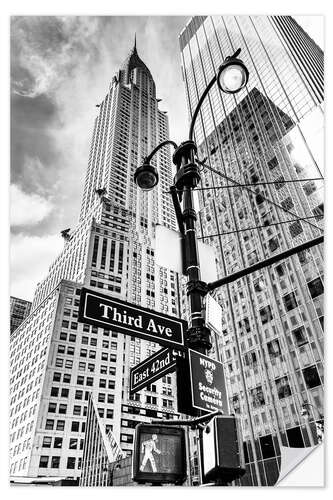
[{"x": 134, "y": 49}]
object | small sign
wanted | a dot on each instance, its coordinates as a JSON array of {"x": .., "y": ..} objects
[
  {"x": 207, "y": 383},
  {"x": 153, "y": 368},
  {"x": 159, "y": 454},
  {"x": 213, "y": 314},
  {"x": 108, "y": 312}
]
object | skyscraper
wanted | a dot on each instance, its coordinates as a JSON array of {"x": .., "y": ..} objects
[
  {"x": 19, "y": 310},
  {"x": 263, "y": 193},
  {"x": 57, "y": 362}
]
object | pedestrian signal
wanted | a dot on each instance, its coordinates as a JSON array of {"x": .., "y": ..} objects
[{"x": 159, "y": 454}]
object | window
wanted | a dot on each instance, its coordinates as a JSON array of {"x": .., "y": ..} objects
[
  {"x": 272, "y": 163},
  {"x": 295, "y": 437},
  {"x": 76, "y": 410},
  {"x": 295, "y": 229},
  {"x": 52, "y": 408},
  {"x": 273, "y": 244},
  {"x": 280, "y": 182},
  {"x": 90, "y": 381},
  {"x": 59, "y": 362},
  {"x": 311, "y": 377},
  {"x": 267, "y": 447},
  {"x": 68, "y": 363},
  {"x": 109, "y": 413},
  {"x": 80, "y": 380},
  {"x": 290, "y": 301},
  {"x": 47, "y": 442},
  {"x": 64, "y": 393},
  {"x": 274, "y": 349},
  {"x": 62, "y": 408},
  {"x": 49, "y": 424},
  {"x": 75, "y": 426},
  {"x": 151, "y": 400},
  {"x": 54, "y": 391},
  {"x": 266, "y": 314},
  {"x": 78, "y": 394},
  {"x": 102, "y": 382},
  {"x": 101, "y": 397},
  {"x": 55, "y": 462},
  {"x": 316, "y": 287},
  {"x": 57, "y": 442},
  {"x": 110, "y": 398},
  {"x": 299, "y": 336},
  {"x": 257, "y": 397},
  {"x": 66, "y": 378},
  {"x": 73, "y": 444},
  {"x": 111, "y": 384},
  {"x": 71, "y": 463},
  {"x": 56, "y": 377},
  {"x": 60, "y": 425},
  {"x": 43, "y": 461},
  {"x": 283, "y": 387},
  {"x": 319, "y": 211}
]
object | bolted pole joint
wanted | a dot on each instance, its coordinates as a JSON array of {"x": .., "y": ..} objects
[
  {"x": 198, "y": 286},
  {"x": 190, "y": 213},
  {"x": 198, "y": 338}
]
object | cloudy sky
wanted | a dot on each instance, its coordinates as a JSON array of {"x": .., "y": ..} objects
[{"x": 60, "y": 69}]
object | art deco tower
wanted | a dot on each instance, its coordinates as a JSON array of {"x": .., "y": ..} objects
[
  {"x": 264, "y": 195},
  {"x": 57, "y": 362}
]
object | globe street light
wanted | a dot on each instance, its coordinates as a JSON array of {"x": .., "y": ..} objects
[{"x": 233, "y": 75}]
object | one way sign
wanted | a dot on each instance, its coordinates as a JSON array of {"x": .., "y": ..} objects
[{"x": 153, "y": 368}]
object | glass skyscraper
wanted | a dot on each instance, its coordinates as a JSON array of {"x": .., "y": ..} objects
[
  {"x": 262, "y": 193},
  {"x": 57, "y": 363}
]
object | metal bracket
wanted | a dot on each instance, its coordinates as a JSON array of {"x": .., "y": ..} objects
[{"x": 197, "y": 286}]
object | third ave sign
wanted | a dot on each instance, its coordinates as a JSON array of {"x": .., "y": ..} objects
[
  {"x": 153, "y": 368},
  {"x": 108, "y": 312}
]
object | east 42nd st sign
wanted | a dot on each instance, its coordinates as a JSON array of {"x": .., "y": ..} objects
[{"x": 108, "y": 312}]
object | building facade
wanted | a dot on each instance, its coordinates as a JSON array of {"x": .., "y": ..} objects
[
  {"x": 57, "y": 364},
  {"x": 262, "y": 193},
  {"x": 19, "y": 310}
]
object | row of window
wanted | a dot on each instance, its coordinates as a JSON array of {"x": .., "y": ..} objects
[{"x": 54, "y": 463}]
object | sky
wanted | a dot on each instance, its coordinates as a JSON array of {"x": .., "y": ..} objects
[{"x": 60, "y": 69}]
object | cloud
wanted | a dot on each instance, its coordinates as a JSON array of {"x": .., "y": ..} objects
[
  {"x": 30, "y": 258},
  {"x": 47, "y": 50},
  {"x": 27, "y": 209}
]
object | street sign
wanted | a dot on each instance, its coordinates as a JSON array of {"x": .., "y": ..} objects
[
  {"x": 108, "y": 312},
  {"x": 153, "y": 368},
  {"x": 213, "y": 314},
  {"x": 207, "y": 383},
  {"x": 201, "y": 385},
  {"x": 159, "y": 454}
]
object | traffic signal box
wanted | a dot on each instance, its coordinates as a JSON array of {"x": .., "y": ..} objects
[
  {"x": 159, "y": 454},
  {"x": 223, "y": 454}
]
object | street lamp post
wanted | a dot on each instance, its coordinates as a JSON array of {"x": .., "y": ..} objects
[{"x": 231, "y": 77}]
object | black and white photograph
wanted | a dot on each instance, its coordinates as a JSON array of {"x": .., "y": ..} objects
[{"x": 166, "y": 249}]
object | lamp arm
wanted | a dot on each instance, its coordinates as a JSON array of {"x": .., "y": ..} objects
[
  {"x": 209, "y": 86},
  {"x": 159, "y": 146},
  {"x": 196, "y": 111}
]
